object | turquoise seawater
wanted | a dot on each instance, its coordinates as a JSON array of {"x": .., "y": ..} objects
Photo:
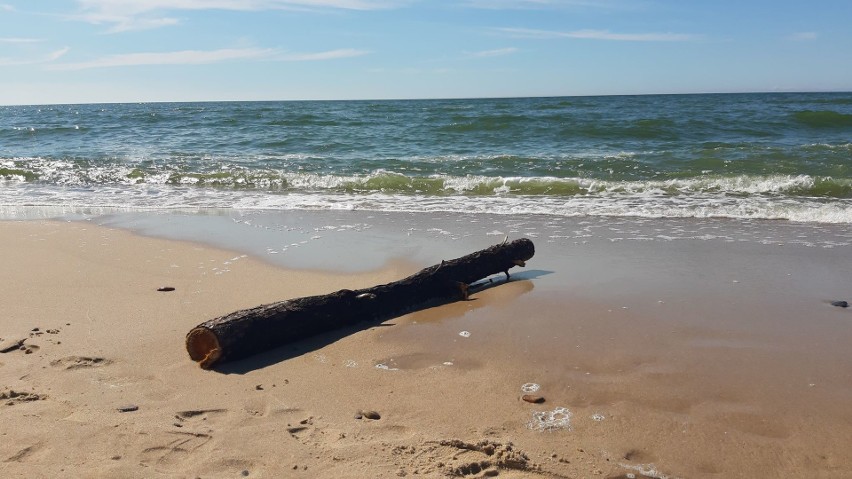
[{"x": 779, "y": 156}]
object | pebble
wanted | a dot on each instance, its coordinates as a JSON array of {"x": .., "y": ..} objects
[
  {"x": 532, "y": 399},
  {"x": 840, "y": 304},
  {"x": 166, "y": 289},
  {"x": 129, "y": 408},
  {"x": 368, "y": 414}
]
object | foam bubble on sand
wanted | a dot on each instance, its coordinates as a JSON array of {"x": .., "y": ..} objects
[
  {"x": 465, "y": 334},
  {"x": 648, "y": 470},
  {"x": 530, "y": 387},
  {"x": 559, "y": 418}
]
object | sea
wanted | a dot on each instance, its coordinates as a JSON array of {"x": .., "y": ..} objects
[{"x": 779, "y": 156}]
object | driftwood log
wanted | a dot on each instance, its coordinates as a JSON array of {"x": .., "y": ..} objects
[{"x": 251, "y": 331}]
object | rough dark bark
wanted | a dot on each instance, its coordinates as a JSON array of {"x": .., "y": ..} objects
[{"x": 251, "y": 331}]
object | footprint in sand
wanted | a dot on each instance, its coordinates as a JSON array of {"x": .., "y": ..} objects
[
  {"x": 24, "y": 454},
  {"x": 199, "y": 413},
  {"x": 80, "y": 362},
  {"x": 299, "y": 424},
  {"x": 196, "y": 416},
  {"x": 172, "y": 455},
  {"x": 456, "y": 458},
  {"x": 178, "y": 447},
  {"x": 10, "y": 397}
]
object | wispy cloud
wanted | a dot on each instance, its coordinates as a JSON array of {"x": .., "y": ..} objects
[
  {"x": 50, "y": 57},
  {"x": 126, "y": 15},
  {"x": 329, "y": 55},
  {"x": 184, "y": 57},
  {"x": 492, "y": 53},
  {"x": 20, "y": 40},
  {"x": 201, "y": 57},
  {"x": 803, "y": 36},
  {"x": 599, "y": 35}
]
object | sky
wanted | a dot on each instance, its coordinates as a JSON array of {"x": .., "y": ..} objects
[{"x": 93, "y": 51}]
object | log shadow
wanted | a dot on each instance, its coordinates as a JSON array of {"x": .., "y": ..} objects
[{"x": 313, "y": 343}]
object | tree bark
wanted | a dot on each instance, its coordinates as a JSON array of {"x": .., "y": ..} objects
[{"x": 251, "y": 331}]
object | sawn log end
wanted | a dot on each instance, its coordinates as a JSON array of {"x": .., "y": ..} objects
[{"x": 203, "y": 347}]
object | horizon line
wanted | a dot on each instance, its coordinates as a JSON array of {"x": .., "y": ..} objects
[{"x": 508, "y": 97}]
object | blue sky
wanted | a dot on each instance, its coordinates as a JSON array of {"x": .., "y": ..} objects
[{"x": 84, "y": 51}]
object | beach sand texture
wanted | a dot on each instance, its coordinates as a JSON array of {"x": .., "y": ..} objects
[{"x": 655, "y": 359}]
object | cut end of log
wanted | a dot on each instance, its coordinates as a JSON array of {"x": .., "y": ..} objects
[{"x": 203, "y": 347}]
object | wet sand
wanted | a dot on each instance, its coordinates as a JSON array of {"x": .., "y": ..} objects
[{"x": 677, "y": 349}]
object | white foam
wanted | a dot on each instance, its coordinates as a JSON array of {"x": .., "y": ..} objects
[
  {"x": 386, "y": 367},
  {"x": 60, "y": 186},
  {"x": 530, "y": 387},
  {"x": 559, "y": 418}
]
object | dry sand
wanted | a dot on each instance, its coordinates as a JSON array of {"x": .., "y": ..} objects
[{"x": 676, "y": 384}]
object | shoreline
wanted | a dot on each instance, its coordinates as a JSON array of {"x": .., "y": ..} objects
[{"x": 675, "y": 358}]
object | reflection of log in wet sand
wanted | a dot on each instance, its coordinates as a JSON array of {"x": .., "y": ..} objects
[{"x": 658, "y": 361}]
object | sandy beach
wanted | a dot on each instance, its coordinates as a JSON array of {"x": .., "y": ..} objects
[{"x": 661, "y": 349}]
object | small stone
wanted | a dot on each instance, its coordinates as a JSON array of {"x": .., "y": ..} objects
[
  {"x": 128, "y": 408},
  {"x": 245, "y": 473},
  {"x": 358, "y": 415},
  {"x": 259, "y": 387},
  {"x": 35, "y": 330},
  {"x": 165, "y": 289},
  {"x": 371, "y": 415},
  {"x": 532, "y": 399},
  {"x": 840, "y": 304}
]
